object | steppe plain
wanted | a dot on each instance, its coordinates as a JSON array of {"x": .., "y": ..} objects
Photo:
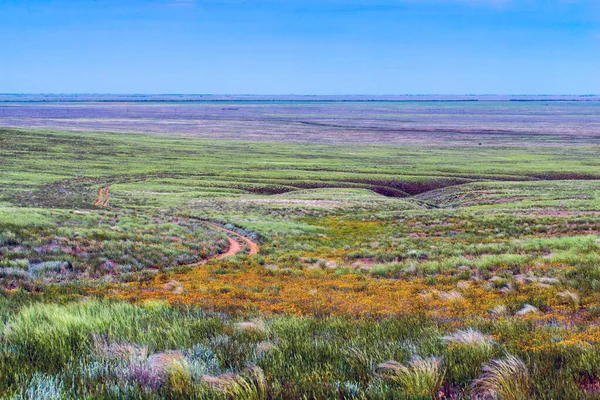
[{"x": 251, "y": 247}]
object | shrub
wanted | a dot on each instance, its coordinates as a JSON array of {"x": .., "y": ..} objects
[{"x": 359, "y": 362}]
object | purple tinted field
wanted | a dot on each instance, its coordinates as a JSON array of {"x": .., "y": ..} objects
[{"x": 512, "y": 123}]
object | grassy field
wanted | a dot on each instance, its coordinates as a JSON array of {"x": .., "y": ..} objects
[{"x": 401, "y": 270}]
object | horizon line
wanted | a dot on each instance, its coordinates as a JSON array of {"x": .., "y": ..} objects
[{"x": 290, "y": 94}]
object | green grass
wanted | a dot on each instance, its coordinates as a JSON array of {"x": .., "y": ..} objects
[
  {"x": 501, "y": 226},
  {"x": 82, "y": 346}
]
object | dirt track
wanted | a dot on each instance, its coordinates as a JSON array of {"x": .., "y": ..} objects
[
  {"x": 234, "y": 245},
  {"x": 234, "y": 248},
  {"x": 103, "y": 196},
  {"x": 253, "y": 246},
  {"x": 234, "y": 237}
]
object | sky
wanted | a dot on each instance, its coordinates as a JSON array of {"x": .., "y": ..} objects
[{"x": 336, "y": 47}]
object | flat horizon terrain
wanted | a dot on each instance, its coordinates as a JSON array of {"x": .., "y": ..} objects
[
  {"x": 421, "y": 120},
  {"x": 267, "y": 248}
]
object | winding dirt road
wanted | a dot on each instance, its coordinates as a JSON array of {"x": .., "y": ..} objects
[
  {"x": 234, "y": 245},
  {"x": 235, "y": 239}
]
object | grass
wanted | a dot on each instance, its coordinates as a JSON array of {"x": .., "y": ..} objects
[
  {"x": 385, "y": 271},
  {"x": 100, "y": 349},
  {"x": 422, "y": 377},
  {"x": 506, "y": 378}
]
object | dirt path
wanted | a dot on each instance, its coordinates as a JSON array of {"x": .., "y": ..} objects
[
  {"x": 106, "y": 196},
  {"x": 252, "y": 245},
  {"x": 103, "y": 196},
  {"x": 235, "y": 238},
  {"x": 234, "y": 248},
  {"x": 100, "y": 196}
]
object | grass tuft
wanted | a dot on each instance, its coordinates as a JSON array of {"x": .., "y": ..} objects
[
  {"x": 421, "y": 377},
  {"x": 506, "y": 379}
]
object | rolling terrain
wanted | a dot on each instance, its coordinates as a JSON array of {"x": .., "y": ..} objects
[{"x": 239, "y": 249}]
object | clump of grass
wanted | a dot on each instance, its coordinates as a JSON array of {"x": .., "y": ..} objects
[
  {"x": 506, "y": 379},
  {"x": 467, "y": 350},
  {"x": 51, "y": 334},
  {"x": 251, "y": 384},
  {"x": 223, "y": 383},
  {"x": 421, "y": 377},
  {"x": 176, "y": 371},
  {"x": 168, "y": 369},
  {"x": 173, "y": 286},
  {"x": 527, "y": 309},
  {"x": 263, "y": 348},
  {"x": 471, "y": 338},
  {"x": 360, "y": 362},
  {"x": 256, "y": 328},
  {"x": 452, "y": 296},
  {"x": 348, "y": 390},
  {"x": 123, "y": 351},
  {"x": 569, "y": 297},
  {"x": 42, "y": 387},
  {"x": 463, "y": 284},
  {"x": 499, "y": 310}
]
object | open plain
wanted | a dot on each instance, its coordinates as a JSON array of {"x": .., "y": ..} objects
[{"x": 297, "y": 247}]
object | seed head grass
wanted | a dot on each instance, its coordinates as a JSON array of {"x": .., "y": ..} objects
[
  {"x": 506, "y": 379},
  {"x": 420, "y": 377}
]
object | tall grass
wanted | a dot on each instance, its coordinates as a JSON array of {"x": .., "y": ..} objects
[
  {"x": 50, "y": 335},
  {"x": 467, "y": 350},
  {"x": 506, "y": 379},
  {"x": 105, "y": 349},
  {"x": 420, "y": 377}
]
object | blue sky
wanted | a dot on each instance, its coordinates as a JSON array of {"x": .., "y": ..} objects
[{"x": 300, "y": 46}]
